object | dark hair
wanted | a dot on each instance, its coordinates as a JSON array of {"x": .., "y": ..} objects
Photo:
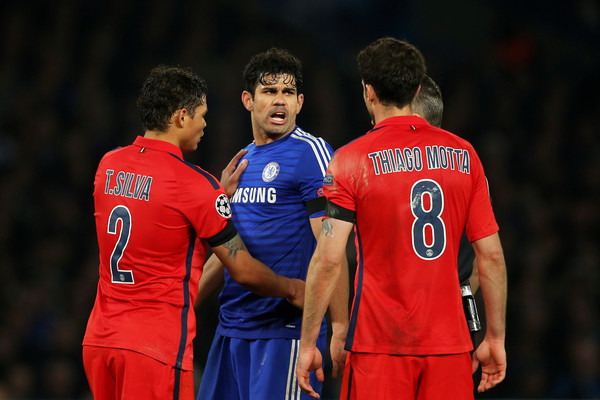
[
  {"x": 394, "y": 68},
  {"x": 274, "y": 62},
  {"x": 428, "y": 102},
  {"x": 166, "y": 90}
]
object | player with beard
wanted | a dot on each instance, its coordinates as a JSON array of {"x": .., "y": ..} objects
[{"x": 277, "y": 209}]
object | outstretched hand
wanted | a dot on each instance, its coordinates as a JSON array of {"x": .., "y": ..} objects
[
  {"x": 230, "y": 176},
  {"x": 309, "y": 359},
  {"x": 492, "y": 357}
]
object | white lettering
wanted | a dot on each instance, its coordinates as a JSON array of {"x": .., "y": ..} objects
[
  {"x": 272, "y": 197},
  {"x": 128, "y": 184},
  {"x": 254, "y": 195},
  {"x": 412, "y": 159}
]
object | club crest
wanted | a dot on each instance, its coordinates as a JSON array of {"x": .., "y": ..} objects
[{"x": 270, "y": 172}]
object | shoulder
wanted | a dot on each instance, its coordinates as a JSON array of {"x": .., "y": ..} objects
[
  {"x": 250, "y": 146},
  {"x": 299, "y": 137},
  {"x": 114, "y": 152},
  {"x": 187, "y": 172},
  {"x": 358, "y": 145},
  {"x": 114, "y": 159},
  {"x": 452, "y": 137}
]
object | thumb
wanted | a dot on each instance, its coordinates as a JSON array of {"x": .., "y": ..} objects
[
  {"x": 474, "y": 365},
  {"x": 320, "y": 374}
]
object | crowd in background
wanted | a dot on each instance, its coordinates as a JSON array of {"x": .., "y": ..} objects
[{"x": 520, "y": 81}]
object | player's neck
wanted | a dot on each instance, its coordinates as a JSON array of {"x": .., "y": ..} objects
[
  {"x": 261, "y": 137},
  {"x": 164, "y": 136},
  {"x": 381, "y": 112}
]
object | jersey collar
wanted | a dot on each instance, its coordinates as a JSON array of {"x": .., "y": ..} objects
[
  {"x": 404, "y": 120},
  {"x": 159, "y": 145}
]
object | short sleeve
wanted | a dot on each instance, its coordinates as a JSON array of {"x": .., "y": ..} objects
[
  {"x": 311, "y": 169},
  {"x": 204, "y": 202},
  {"x": 481, "y": 221},
  {"x": 337, "y": 184}
]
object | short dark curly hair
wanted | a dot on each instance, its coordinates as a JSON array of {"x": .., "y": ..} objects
[
  {"x": 273, "y": 62},
  {"x": 394, "y": 68},
  {"x": 166, "y": 90}
]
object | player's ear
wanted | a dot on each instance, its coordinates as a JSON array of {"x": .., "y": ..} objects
[
  {"x": 178, "y": 117},
  {"x": 417, "y": 92},
  {"x": 370, "y": 94},
  {"x": 300, "y": 102},
  {"x": 247, "y": 100}
]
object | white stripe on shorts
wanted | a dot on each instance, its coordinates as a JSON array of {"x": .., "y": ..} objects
[{"x": 292, "y": 390}]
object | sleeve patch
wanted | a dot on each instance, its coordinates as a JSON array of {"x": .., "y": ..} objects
[
  {"x": 222, "y": 206},
  {"x": 328, "y": 180}
]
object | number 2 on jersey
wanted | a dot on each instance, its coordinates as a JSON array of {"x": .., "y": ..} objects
[
  {"x": 427, "y": 218},
  {"x": 120, "y": 213}
]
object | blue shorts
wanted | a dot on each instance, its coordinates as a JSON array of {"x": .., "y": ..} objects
[{"x": 252, "y": 369}]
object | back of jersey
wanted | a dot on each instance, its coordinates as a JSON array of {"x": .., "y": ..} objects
[
  {"x": 413, "y": 188},
  {"x": 151, "y": 210}
]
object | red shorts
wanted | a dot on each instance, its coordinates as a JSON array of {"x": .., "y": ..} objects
[
  {"x": 119, "y": 374},
  {"x": 384, "y": 376}
]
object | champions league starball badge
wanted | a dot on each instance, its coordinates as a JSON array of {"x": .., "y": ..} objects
[
  {"x": 222, "y": 206},
  {"x": 270, "y": 172}
]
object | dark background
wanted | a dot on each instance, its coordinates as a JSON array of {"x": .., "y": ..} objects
[{"x": 520, "y": 81}]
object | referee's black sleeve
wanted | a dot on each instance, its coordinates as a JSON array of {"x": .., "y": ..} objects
[{"x": 332, "y": 210}]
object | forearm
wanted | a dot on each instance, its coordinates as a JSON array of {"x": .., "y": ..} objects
[
  {"x": 474, "y": 278},
  {"x": 265, "y": 282},
  {"x": 323, "y": 277},
  {"x": 261, "y": 280},
  {"x": 320, "y": 285},
  {"x": 493, "y": 288},
  {"x": 253, "y": 274},
  {"x": 493, "y": 283},
  {"x": 338, "y": 306},
  {"x": 213, "y": 276}
]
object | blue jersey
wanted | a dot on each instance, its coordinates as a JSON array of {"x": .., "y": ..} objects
[{"x": 270, "y": 214}]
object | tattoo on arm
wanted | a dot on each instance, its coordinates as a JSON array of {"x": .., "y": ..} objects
[
  {"x": 326, "y": 228},
  {"x": 234, "y": 245}
]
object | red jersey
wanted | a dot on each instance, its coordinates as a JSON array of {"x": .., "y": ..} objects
[
  {"x": 155, "y": 216},
  {"x": 413, "y": 188}
]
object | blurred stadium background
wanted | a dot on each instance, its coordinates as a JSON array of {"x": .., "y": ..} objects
[{"x": 520, "y": 81}]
